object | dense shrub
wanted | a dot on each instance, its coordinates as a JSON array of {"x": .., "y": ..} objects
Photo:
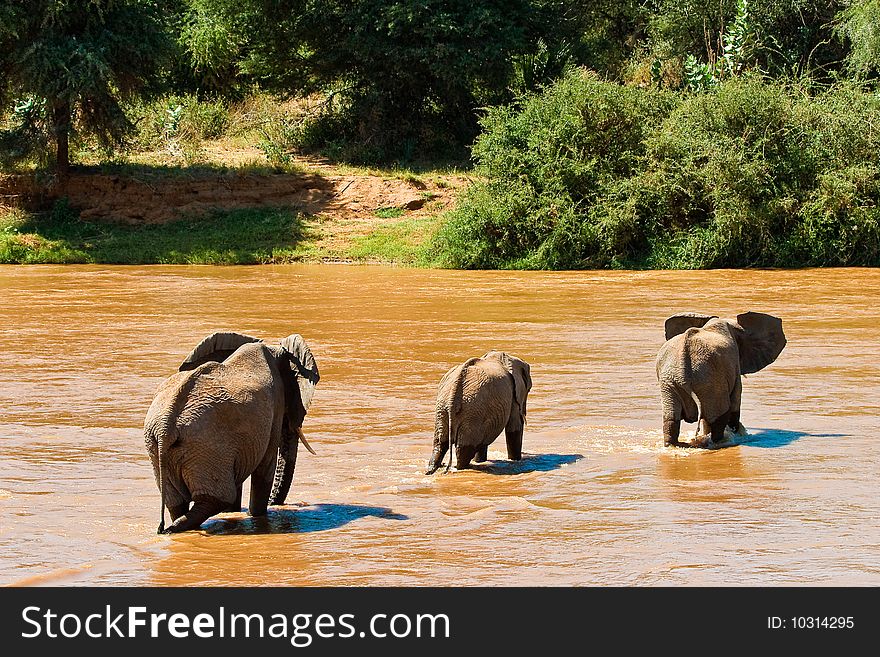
[
  {"x": 792, "y": 38},
  {"x": 183, "y": 118},
  {"x": 591, "y": 173}
]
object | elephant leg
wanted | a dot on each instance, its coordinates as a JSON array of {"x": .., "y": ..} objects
[
  {"x": 513, "y": 434},
  {"x": 236, "y": 505},
  {"x": 735, "y": 401},
  {"x": 514, "y": 439},
  {"x": 203, "y": 508},
  {"x": 465, "y": 453},
  {"x": 672, "y": 411},
  {"x": 178, "y": 510},
  {"x": 482, "y": 454},
  {"x": 437, "y": 457},
  {"x": 671, "y": 431},
  {"x": 717, "y": 428},
  {"x": 177, "y": 500},
  {"x": 261, "y": 485}
]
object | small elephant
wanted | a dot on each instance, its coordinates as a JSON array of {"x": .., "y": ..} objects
[
  {"x": 234, "y": 410},
  {"x": 700, "y": 364},
  {"x": 476, "y": 401}
]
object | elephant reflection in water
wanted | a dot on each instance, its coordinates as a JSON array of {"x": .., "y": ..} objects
[
  {"x": 699, "y": 369},
  {"x": 234, "y": 410}
]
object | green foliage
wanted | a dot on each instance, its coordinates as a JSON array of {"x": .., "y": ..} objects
[
  {"x": 859, "y": 25},
  {"x": 405, "y": 77},
  {"x": 735, "y": 40},
  {"x": 579, "y": 171},
  {"x": 795, "y": 38},
  {"x": 214, "y": 43},
  {"x": 78, "y": 61},
  {"x": 547, "y": 63},
  {"x": 175, "y": 122},
  {"x": 735, "y": 54},
  {"x": 698, "y": 76},
  {"x": 546, "y": 165},
  {"x": 592, "y": 174}
]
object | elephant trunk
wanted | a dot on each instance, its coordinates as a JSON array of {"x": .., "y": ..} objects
[{"x": 285, "y": 464}]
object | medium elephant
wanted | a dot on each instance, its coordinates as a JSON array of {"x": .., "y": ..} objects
[
  {"x": 700, "y": 364},
  {"x": 234, "y": 410},
  {"x": 476, "y": 401}
]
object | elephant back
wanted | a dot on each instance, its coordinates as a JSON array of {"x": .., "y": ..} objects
[{"x": 216, "y": 347}]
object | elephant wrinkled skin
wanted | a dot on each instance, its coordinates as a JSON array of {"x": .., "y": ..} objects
[
  {"x": 234, "y": 410},
  {"x": 700, "y": 364},
  {"x": 476, "y": 401}
]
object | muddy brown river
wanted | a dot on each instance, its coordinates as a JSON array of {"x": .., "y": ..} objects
[{"x": 596, "y": 500}]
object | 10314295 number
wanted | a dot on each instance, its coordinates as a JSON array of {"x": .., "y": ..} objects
[{"x": 811, "y": 623}]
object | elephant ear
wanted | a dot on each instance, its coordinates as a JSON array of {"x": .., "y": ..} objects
[
  {"x": 761, "y": 341},
  {"x": 678, "y": 324},
  {"x": 522, "y": 377},
  {"x": 216, "y": 347},
  {"x": 301, "y": 377}
]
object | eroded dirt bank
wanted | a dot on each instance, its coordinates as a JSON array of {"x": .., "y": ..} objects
[{"x": 158, "y": 198}]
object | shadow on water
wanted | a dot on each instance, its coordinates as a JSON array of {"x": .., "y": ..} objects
[
  {"x": 769, "y": 438},
  {"x": 528, "y": 463},
  {"x": 316, "y": 518}
]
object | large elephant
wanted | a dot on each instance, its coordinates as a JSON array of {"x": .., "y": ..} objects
[
  {"x": 234, "y": 410},
  {"x": 700, "y": 364},
  {"x": 476, "y": 401}
]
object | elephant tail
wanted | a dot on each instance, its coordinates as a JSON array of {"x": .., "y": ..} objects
[
  {"x": 163, "y": 431},
  {"x": 161, "y": 529},
  {"x": 455, "y": 404},
  {"x": 162, "y": 445},
  {"x": 451, "y": 444},
  {"x": 696, "y": 404},
  {"x": 157, "y": 441}
]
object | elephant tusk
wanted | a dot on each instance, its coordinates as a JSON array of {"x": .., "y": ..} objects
[{"x": 303, "y": 440}]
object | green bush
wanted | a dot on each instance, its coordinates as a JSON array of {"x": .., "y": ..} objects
[
  {"x": 179, "y": 119},
  {"x": 594, "y": 174},
  {"x": 548, "y": 163}
]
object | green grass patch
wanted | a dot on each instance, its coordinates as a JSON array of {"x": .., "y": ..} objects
[
  {"x": 389, "y": 213},
  {"x": 403, "y": 243},
  {"x": 239, "y": 237}
]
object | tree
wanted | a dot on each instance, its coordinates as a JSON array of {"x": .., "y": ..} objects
[
  {"x": 786, "y": 39},
  {"x": 211, "y": 42},
  {"x": 69, "y": 64},
  {"x": 402, "y": 72},
  {"x": 859, "y": 25}
]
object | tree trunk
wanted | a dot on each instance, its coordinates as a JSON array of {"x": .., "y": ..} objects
[{"x": 61, "y": 128}]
